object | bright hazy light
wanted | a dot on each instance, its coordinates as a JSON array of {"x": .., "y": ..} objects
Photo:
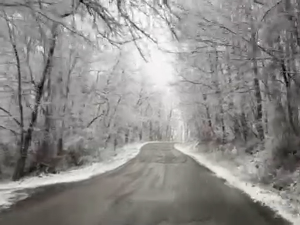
[{"x": 160, "y": 68}]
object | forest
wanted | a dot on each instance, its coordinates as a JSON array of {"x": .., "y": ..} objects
[
  {"x": 70, "y": 83},
  {"x": 73, "y": 80},
  {"x": 238, "y": 84}
]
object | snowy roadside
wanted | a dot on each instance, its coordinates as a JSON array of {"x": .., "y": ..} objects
[
  {"x": 236, "y": 178},
  {"x": 9, "y": 191}
]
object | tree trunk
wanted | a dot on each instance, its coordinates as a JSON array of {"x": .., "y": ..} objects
[
  {"x": 47, "y": 143},
  {"x": 215, "y": 68},
  {"x": 126, "y": 136},
  {"x": 244, "y": 126},
  {"x": 141, "y": 132},
  {"x": 20, "y": 166},
  {"x": 60, "y": 146},
  {"x": 290, "y": 108},
  {"x": 223, "y": 125},
  {"x": 150, "y": 131},
  {"x": 208, "y": 115},
  {"x": 291, "y": 52},
  {"x": 258, "y": 97}
]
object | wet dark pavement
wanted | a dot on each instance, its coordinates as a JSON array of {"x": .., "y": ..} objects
[{"x": 161, "y": 186}]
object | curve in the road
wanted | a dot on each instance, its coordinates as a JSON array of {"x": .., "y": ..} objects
[{"x": 161, "y": 186}]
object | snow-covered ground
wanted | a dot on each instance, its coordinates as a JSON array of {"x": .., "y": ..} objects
[
  {"x": 10, "y": 192},
  {"x": 237, "y": 179}
]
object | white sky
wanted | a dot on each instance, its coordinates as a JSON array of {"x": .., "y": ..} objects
[
  {"x": 161, "y": 64},
  {"x": 160, "y": 68}
]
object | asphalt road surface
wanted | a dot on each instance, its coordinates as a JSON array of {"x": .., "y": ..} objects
[{"x": 159, "y": 187}]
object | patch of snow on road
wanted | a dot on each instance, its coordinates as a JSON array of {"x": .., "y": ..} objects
[
  {"x": 5, "y": 197},
  {"x": 266, "y": 197},
  {"x": 9, "y": 190}
]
